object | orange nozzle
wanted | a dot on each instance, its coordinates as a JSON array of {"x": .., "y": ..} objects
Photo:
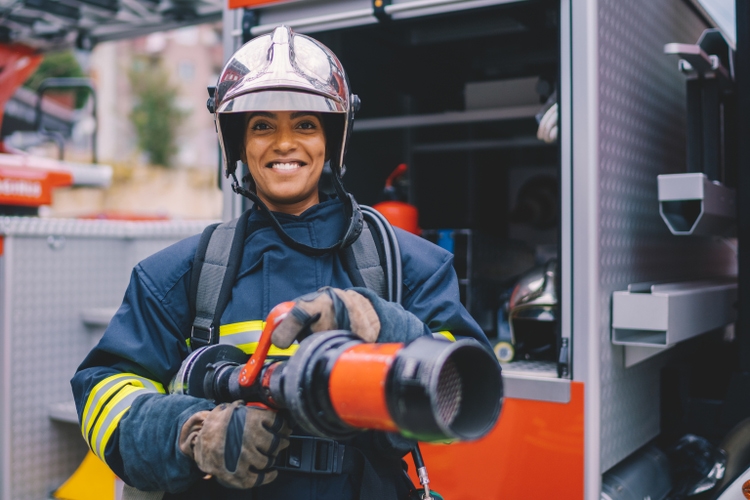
[
  {"x": 250, "y": 371},
  {"x": 362, "y": 370}
]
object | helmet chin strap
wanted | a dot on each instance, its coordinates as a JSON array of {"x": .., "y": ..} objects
[{"x": 353, "y": 212}]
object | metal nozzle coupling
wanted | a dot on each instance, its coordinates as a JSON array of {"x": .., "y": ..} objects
[{"x": 424, "y": 480}]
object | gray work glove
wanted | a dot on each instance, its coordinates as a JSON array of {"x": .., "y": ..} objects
[
  {"x": 358, "y": 310},
  {"x": 236, "y": 444}
]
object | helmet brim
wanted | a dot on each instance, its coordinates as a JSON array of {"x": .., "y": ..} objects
[{"x": 281, "y": 100}]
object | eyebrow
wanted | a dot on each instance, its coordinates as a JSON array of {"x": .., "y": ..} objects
[{"x": 265, "y": 114}]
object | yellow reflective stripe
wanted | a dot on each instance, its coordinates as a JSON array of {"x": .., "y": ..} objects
[
  {"x": 111, "y": 416},
  {"x": 245, "y": 336},
  {"x": 107, "y": 393},
  {"x": 244, "y": 326},
  {"x": 250, "y": 347},
  {"x": 448, "y": 335},
  {"x": 97, "y": 397}
]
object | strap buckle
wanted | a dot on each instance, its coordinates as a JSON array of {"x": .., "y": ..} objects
[
  {"x": 312, "y": 455},
  {"x": 201, "y": 336}
]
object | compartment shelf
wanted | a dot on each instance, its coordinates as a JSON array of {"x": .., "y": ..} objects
[
  {"x": 447, "y": 118},
  {"x": 512, "y": 142},
  {"x": 648, "y": 318}
]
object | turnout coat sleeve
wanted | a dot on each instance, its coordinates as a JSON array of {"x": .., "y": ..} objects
[
  {"x": 126, "y": 416},
  {"x": 430, "y": 289}
]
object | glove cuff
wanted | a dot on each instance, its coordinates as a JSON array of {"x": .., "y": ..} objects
[
  {"x": 189, "y": 433},
  {"x": 364, "y": 320},
  {"x": 148, "y": 442},
  {"x": 396, "y": 323}
]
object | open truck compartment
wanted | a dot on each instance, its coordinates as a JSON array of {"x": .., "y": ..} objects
[
  {"x": 457, "y": 96},
  {"x": 457, "y": 91}
]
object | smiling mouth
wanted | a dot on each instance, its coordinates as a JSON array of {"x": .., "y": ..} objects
[{"x": 286, "y": 166}]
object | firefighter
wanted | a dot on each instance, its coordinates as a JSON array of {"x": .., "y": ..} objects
[{"x": 283, "y": 108}]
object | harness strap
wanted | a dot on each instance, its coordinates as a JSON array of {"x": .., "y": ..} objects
[
  {"x": 362, "y": 261},
  {"x": 213, "y": 277}
]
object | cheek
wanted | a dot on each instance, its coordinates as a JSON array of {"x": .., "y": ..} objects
[
  {"x": 318, "y": 149},
  {"x": 254, "y": 154}
]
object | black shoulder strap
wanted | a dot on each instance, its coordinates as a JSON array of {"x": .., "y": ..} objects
[
  {"x": 374, "y": 259},
  {"x": 200, "y": 255},
  {"x": 364, "y": 262},
  {"x": 215, "y": 266}
]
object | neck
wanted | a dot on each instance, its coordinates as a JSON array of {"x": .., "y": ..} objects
[{"x": 291, "y": 208}]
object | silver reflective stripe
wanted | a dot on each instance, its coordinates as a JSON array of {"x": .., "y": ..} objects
[
  {"x": 246, "y": 336},
  {"x": 444, "y": 335},
  {"x": 114, "y": 413},
  {"x": 241, "y": 338},
  {"x": 96, "y": 404},
  {"x": 93, "y": 406}
]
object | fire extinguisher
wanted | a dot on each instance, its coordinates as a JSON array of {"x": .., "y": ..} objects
[{"x": 397, "y": 211}]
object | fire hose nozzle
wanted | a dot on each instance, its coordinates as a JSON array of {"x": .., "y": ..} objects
[{"x": 336, "y": 385}]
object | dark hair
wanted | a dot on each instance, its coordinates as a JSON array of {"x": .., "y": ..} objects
[{"x": 333, "y": 127}]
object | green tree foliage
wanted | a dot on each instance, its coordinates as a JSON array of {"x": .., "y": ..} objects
[
  {"x": 58, "y": 64},
  {"x": 155, "y": 115}
]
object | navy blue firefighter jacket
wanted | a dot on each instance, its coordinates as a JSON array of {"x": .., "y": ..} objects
[{"x": 120, "y": 389}]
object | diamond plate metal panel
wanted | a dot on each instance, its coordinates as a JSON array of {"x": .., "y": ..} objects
[
  {"x": 51, "y": 272},
  {"x": 641, "y": 134},
  {"x": 33, "y": 226}
]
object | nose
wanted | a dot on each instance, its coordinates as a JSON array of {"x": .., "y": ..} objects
[{"x": 284, "y": 139}]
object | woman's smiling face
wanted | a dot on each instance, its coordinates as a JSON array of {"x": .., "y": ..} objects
[{"x": 285, "y": 152}]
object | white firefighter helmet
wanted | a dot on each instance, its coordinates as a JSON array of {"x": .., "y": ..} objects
[{"x": 283, "y": 71}]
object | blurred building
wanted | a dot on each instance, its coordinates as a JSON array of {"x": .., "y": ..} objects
[{"x": 193, "y": 57}]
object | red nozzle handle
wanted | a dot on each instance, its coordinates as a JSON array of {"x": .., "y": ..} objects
[{"x": 250, "y": 371}]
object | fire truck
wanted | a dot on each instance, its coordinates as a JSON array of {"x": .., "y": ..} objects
[{"x": 585, "y": 163}]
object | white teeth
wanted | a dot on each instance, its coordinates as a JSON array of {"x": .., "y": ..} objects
[{"x": 285, "y": 166}]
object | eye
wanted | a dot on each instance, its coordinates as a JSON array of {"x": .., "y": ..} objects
[
  {"x": 260, "y": 125},
  {"x": 310, "y": 124}
]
